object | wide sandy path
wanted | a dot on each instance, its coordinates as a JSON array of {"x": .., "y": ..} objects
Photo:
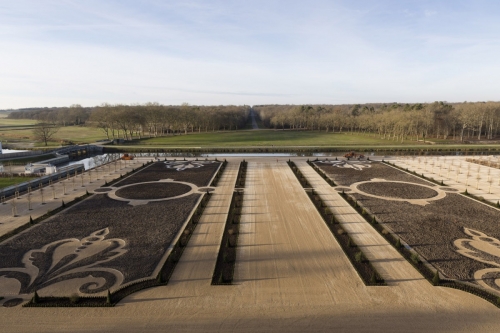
[{"x": 388, "y": 262}]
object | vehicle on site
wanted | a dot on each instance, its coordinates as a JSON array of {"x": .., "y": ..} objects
[
  {"x": 353, "y": 154},
  {"x": 127, "y": 157}
]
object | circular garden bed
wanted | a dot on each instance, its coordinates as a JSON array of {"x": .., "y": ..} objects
[
  {"x": 152, "y": 191},
  {"x": 397, "y": 190}
]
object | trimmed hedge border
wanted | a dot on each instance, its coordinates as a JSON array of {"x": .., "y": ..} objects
[
  {"x": 321, "y": 173},
  {"x": 161, "y": 279},
  {"x": 361, "y": 264},
  {"x": 218, "y": 175},
  {"x": 226, "y": 259},
  {"x": 421, "y": 151},
  {"x": 300, "y": 177}
]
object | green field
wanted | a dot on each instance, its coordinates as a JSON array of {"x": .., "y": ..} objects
[
  {"x": 75, "y": 134},
  {"x": 268, "y": 138},
  {"x": 16, "y": 122},
  {"x": 4, "y": 182}
]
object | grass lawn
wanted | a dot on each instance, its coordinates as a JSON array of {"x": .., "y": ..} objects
[
  {"x": 268, "y": 138},
  {"x": 76, "y": 134},
  {"x": 16, "y": 122},
  {"x": 4, "y": 182}
]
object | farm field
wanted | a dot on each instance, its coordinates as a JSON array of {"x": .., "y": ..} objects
[{"x": 290, "y": 275}]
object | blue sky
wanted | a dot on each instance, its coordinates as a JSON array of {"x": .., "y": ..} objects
[{"x": 57, "y": 53}]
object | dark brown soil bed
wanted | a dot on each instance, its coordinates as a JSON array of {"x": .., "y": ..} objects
[
  {"x": 200, "y": 174},
  {"x": 397, "y": 190},
  {"x": 151, "y": 191},
  {"x": 102, "y": 190},
  {"x": 432, "y": 229},
  {"x": 347, "y": 176},
  {"x": 147, "y": 231}
]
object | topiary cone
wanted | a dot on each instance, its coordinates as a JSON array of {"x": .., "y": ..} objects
[
  {"x": 436, "y": 280},
  {"x": 108, "y": 298},
  {"x": 398, "y": 243},
  {"x": 36, "y": 298}
]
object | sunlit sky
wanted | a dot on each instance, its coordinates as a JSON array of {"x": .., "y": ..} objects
[{"x": 57, "y": 53}]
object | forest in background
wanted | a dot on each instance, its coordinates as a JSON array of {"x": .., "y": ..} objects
[{"x": 398, "y": 122}]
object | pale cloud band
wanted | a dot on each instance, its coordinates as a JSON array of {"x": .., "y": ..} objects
[{"x": 56, "y": 53}]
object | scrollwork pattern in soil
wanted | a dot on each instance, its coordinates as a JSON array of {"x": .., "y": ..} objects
[{"x": 68, "y": 259}]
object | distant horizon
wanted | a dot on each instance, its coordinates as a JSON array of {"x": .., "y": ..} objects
[
  {"x": 247, "y": 53},
  {"x": 209, "y": 105}
]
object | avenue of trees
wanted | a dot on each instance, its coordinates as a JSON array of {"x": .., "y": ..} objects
[
  {"x": 152, "y": 119},
  {"x": 398, "y": 122}
]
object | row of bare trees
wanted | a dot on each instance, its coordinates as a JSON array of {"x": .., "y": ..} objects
[
  {"x": 64, "y": 116},
  {"x": 396, "y": 122},
  {"x": 153, "y": 119}
]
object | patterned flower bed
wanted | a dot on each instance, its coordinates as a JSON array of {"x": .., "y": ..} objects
[
  {"x": 102, "y": 243},
  {"x": 457, "y": 235}
]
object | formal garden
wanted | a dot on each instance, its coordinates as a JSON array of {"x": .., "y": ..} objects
[
  {"x": 452, "y": 232},
  {"x": 124, "y": 237}
]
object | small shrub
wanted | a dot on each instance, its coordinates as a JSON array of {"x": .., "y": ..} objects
[
  {"x": 373, "y": 278},
  {"x": 374, "y": 220},
  {"x": 36, "y": 298},
  {"x": 108, "y": 298},
  {"x": 385, "y": 232},
  {"x": 340, "y": 231},
  {"x": 436, "y": 280},
  {"x": 74, "y": 298},
  {"x": 398, "y": 243},
  {"x": 363, "y": 212},
  {"x": 415, "y": 258},
  {"x": 359, "y": 257},
  {"x": 350, "y": 242}
]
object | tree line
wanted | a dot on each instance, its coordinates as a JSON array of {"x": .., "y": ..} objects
[
  {"x": 396, "y": 122},
  {"x": 65, "y": 116},
  {"x": 152, "y": 119}
]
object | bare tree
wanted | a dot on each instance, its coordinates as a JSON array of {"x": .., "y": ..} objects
[{"x": 43, "y": 132}]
